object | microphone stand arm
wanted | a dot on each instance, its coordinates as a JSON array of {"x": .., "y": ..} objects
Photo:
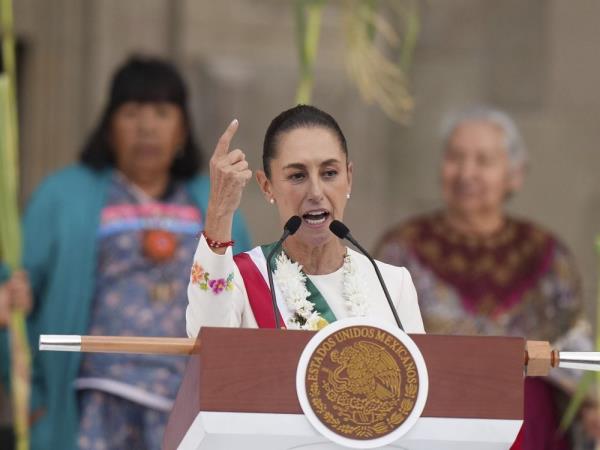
[
  {"x": 270, "y": 256},
  {"x": 381, "y": 282}
]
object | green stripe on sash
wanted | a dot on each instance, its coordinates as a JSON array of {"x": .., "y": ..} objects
[{"x": 321, "y": 305}]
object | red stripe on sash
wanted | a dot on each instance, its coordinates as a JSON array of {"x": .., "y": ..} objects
[{"x": 259, "y": 293}]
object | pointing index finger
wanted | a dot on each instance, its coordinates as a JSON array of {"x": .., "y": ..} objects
[{"x": 223, "y": 145}]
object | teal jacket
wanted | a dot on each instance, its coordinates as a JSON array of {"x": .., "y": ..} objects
[{"x": 60, "y": 254}]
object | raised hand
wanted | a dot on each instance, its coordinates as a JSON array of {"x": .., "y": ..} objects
[{"x": 229, "y": 174}]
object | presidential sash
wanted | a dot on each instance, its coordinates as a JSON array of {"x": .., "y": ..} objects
[{"x": 253, "y": 268}]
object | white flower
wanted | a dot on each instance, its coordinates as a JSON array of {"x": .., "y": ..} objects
[
  {"x": 353, "y": 290},
  {"x": 312, "y": 321},
  {"x": 291, "y": 281}
]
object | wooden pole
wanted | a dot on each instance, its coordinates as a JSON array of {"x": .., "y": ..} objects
[
  {"x": 119, "y": 344},
  {"x": 538, "y": 357},
  {"x": 125, "y": 344}
]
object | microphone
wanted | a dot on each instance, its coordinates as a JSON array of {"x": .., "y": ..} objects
[
  {"x": 343, "y": 232},
  {"x": 290, "y": 227}
]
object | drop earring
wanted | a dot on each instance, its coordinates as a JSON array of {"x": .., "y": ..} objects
[
  {"x": 271, "y": 201},
  {"x": 348, "y": 195}
]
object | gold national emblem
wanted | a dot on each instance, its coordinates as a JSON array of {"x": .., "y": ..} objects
[{"x": 362, "y": 382}]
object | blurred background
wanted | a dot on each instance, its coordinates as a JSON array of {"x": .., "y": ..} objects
[{"x": 537, "y": 60}]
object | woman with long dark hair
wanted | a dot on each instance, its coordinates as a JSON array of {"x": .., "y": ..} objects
[{"x": 108, "y": 244}]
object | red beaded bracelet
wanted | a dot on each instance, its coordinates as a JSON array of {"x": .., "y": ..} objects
[{"x": 217, "y": 244}]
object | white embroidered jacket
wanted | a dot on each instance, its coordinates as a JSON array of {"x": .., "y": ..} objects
[{"x": 217, "y": 296}]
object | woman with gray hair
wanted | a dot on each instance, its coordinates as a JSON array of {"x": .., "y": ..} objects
[{"x": 478, "y": 270}]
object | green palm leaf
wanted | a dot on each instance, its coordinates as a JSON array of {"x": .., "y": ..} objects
[
  {"x": 584, "y": 387},
  {"x": 10, "y": 232},
  {"x": 370, "y": 38}
]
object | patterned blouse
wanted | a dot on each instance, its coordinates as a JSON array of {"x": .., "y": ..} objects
[
  {"x": 139, "y": 293},
  {"x": 521, "y": 281}
]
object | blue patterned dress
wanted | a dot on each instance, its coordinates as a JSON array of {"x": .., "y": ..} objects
[{"x": 131, "y": 395}]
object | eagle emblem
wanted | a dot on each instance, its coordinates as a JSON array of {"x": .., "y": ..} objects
[
  {"x": 362, "y": 390},
  {"x": 366, "y": 369}
]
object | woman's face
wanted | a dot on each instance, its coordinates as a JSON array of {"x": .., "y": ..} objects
[
  {"x": 476, "y": 173},
  {"x": 310, "y": 178},
  {"x": 146, "y": 137}
]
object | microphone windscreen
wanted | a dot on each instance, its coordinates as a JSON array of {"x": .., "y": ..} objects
[
  {"x": 339, "y": 229},
  {"x": 292, "y": 224}
]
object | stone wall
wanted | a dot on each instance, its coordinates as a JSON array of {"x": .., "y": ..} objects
[{"x": 536, "y": 59}]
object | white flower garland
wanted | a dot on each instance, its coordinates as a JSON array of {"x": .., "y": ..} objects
[
  {"x": 292, "y": 283},
  {"x": 353, "y": 291}
]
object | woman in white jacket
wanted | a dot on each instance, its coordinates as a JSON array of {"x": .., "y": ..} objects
[{"x": 306, "y": 172}]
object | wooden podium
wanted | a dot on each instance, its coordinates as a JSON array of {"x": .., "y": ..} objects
[{"x": 239, "y": 392}]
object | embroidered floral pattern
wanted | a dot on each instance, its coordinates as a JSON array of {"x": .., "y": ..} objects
[
  {"x": 202, "y": 279},
  {"x": 197, "y": 273}
]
